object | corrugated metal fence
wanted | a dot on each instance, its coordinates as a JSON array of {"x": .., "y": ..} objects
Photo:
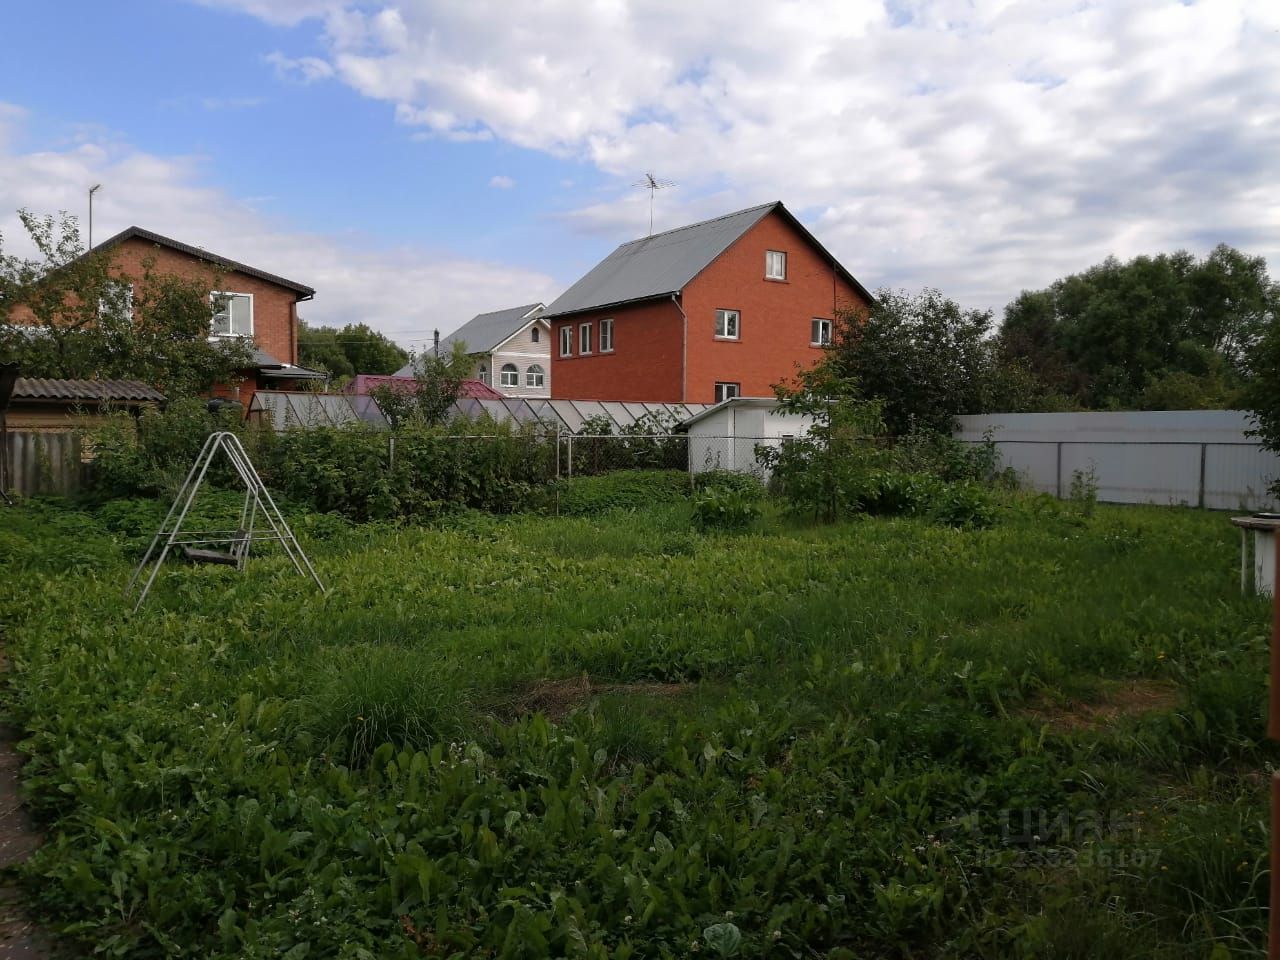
[
  {"x": 1201, "y": 458},
  {"x": 44, "y": 462}
]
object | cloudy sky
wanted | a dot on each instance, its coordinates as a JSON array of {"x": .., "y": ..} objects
[{"x": 422, "y": 161}]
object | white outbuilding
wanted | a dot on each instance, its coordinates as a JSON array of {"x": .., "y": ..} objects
[{"x": 729, "y": 435}]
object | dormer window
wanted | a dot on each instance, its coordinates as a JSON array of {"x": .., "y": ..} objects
[
  {"x": 775, "y": 265},
  {"x": 232, "y": 314}
]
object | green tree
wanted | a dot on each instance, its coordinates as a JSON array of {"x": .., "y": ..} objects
[
  {"x": 67, "y": 313},
  {"x": 1113, "y": 335},
  {"x": 438, "y": 383},
  {"x": 353, "y": 349},
  {"x": 924, "y": 356}
]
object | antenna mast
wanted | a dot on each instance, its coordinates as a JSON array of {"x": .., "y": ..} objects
[{"x": 653, "y": 184}]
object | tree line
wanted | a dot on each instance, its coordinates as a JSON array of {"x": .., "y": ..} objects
[{"x": 1166, "y": 332}]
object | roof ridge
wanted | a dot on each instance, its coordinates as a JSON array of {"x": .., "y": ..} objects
[{"x": 703, "y": 223}]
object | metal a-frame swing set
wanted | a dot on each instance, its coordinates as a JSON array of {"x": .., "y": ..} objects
[{"x": 229, "y": 547}]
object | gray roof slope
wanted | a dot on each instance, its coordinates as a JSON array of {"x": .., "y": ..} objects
[
  {"x": 38, "y": 388},
  {"x": 664, "y": 264},
  {"x": 483, "y": 332},
  {"x": 658, "y": 265}
]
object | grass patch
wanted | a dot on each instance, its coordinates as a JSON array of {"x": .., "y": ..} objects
[{"x": 601, "y": 735}]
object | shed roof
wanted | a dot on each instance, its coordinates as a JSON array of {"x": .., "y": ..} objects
[
  {"x": 128, "y": 233},
  {"x": 665, "y": 263},
  {"x": 85, "y": 391}
]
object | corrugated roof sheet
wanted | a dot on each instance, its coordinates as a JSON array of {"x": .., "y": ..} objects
[
  {"x": 659, "y": 265},
  {"x": 85, "y": 391},
  {"x": 483, "y": 332}
]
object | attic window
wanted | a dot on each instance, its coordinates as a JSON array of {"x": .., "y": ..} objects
[
  {"x": 232, "y": 314},
  {"x": 775, "y": 265},
  {"x": 535, "y": 334}
]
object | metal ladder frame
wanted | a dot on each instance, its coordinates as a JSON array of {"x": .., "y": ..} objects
[{"x": 256, "y": 499}]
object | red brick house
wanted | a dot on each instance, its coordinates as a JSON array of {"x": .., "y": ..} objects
[
  {"x": 259, "y": 304},
  {"x": 718, "y": 309}
]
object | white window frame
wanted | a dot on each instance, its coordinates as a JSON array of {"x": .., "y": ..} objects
[
  {"x": 584, "y": 339},
  {"x": 566, "y": 340},
  {"x": 723, "y": 318},
  {"x": 769, "y": 272},
  {"x": 509, "y": 375},
  {"x": 823, "y": 329},
  {"x": 535, "y": 334},
  {"x": 606, "y": 335},
  {"x": 727, "y": 390},
  {"x": 118, "y": 284},
  {"x": 232, "y": 293},
  {"x": 535, "y": 376},
  {"x": 484, "y": 374}
]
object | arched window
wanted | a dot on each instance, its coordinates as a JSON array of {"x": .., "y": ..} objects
[
  {"x": 510, "y": 375},
  {"x": 535, "y": 334},
  {"x": 484, "y": 374},
  {"x": 535, "y": 376}
]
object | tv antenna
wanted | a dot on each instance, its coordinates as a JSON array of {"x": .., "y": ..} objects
[{"x": 653, "y": 185}]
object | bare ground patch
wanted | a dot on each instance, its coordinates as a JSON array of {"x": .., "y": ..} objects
[
  {"x": 1117, "y": 700},
  {"x": 556, "y": 699}
]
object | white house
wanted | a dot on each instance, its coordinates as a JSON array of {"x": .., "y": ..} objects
[
  {"x": 726, "y": 436},
  {"x": 511, "y": 349}
]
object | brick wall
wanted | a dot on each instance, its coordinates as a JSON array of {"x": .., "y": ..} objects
[
  {"x": 775, "y": 315},
  {"x": 275, "y": 326},
  {"x": 645, "y": 363},
  {"x": 774, "y": 328}
]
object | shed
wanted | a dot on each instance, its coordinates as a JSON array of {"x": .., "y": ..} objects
[
  {"x": 40, "y": 404},
  {"x": 728, "y": 435}
]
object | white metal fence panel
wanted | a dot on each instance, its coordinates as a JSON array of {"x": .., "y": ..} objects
[{"x": 1194, "y": 457}]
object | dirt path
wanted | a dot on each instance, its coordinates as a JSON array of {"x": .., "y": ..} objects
[{"x": 19, "y": 938}]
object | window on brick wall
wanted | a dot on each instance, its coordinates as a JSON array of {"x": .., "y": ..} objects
[
  {"x": 727, "y": 391},
  {"x": 584, "y": 338},
  {"x": 820, "y": 332},
  {"x": 232, "y": 314},
  {"x": 775, "y": 265},
  {"x": 606, "y": 336},
  {"x": 566, "y": 341},
  {"x": 727, "y": 323}
]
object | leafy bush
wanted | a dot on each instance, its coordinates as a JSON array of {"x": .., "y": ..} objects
[
  {"x": 620, "y": 490},
  {"x": 963, "y": 505},
  {"x": 734, "y": 480},
  {"x": 725, "y": 508}
]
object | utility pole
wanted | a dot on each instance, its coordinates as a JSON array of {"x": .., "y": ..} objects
[{"x": 92, "y": 190}]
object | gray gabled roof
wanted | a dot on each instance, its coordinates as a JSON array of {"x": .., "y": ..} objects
[
  {"x": 659, "y": 265},
  {"x": 485, "y": 331},
  {"x": 663, "y": 264}
]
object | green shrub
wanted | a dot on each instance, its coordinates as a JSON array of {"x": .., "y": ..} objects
[
  {"x": 620, "y": 490},
  {"x": 963, "y": 505},
  {"x": 734, "y": 480},
  {"x": 724, "y": 508},
  {"x": 371, "y": 694}
]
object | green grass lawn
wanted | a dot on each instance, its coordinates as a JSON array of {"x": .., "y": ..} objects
[{"x": 610, "y": 736}]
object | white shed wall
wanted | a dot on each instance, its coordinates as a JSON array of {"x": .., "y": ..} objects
[{"x": 727, "y": 439}]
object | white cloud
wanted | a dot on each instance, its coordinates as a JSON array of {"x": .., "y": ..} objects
[
  {"x": 501, "y": 182},
  {"x": 299, "y": 69},
  {"x": 403, "y": 291},
  {"x": 978, "y": 145}
]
